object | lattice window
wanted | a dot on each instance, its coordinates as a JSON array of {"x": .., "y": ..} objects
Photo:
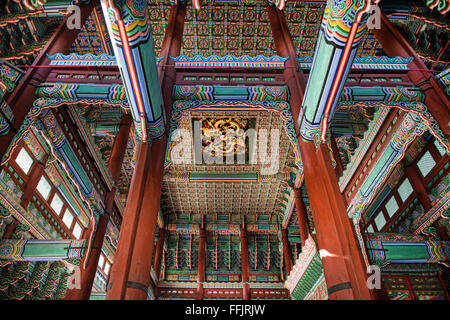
[
  {"x": 426, "y": 164},
  {"x": 391, "y": 206},
  {"x": 405, "y": 190},
  {"x": 380, "y": 221},
  {"x": 44, "y": 187},
  {"x": 24, "y": 160},
  {"x": 440, "y": 148}
]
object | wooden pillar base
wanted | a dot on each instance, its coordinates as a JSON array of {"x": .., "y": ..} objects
[{"x": 344, "y": 268}]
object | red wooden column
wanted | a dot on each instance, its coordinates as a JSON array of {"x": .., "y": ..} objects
[
  {"x": 141, "y": 253},
  {"x": 344, "y": 267},
  {"x": 10, "y": 228},
  {"x": 115, "y": 166},
  {"x": 416, "y": 180},
  {"x": 436, "y": 100},
  {"x": 302, "y": 216},
  {"x": 244, "y": 264},
  {"x": 35, "y": 175},
  {"x": 444, "y": 287},
  {"x": 119, "y": 270},
  {"x": 418, "y": 186},
  {"x": 140, "y": 262},
  {"x": 287, "y": 252},
  {"x": 119, "y": 147},
  {"x": 130, "y": 275},
  {"x": 23, "y": 96},
  {"x": 293, "y": 75},
  {"x": 201, "y": 262},
  {"x": 410, "y": 287},
  {"x": 159, "y": 252},
  {"x": 171, "y": 47}
]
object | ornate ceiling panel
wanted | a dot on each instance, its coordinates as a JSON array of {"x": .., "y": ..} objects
[
  {"x": 370, "y": 47},
  {"x": 182, "y": 197},
  {"x": 158, "y": 16},
  {"x": 304, "y": 25},
  {"x": 89, "y": 39},
  {"x": 427, "y": 32},
  {"x": 221, "y": 29}
]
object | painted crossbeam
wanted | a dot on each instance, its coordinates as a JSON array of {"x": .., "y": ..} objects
[
  {"x": 222, "y": 229},
  {"x": 385, "y": 248},
  {"x": 41, "y": 250},
  {"x": 211, "y": 177},
  {"x": 131, "y": 37}
]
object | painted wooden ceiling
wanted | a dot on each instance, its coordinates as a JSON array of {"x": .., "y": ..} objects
[
  {"x": 238, "y": 198},
  {"x": 221, "y": 29}
]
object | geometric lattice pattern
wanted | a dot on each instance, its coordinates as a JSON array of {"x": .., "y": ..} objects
[
  {"x": 88, "y": 40},
  {"x": 304, "y": 25}
]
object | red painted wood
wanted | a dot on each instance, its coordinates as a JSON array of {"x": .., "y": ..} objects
[
  {"x": 142, "y": 251},
  {"x": 119, "y": 271},
  {"x": 10, "y": 228},
  {"x": 201, "y": 263},
  {"x": 410, "y": 288},
  {"x": 287, "y": 252},
  {"x": 33, "y": 179},
  {"x": 244, "y": 264},
  {"x": 119, "y": 147},
  {"x": 294, "y": 77},
  {"x": 436, "y": 100},
  {"x": 158, "y": 253},
  {"x": 412, "y": 172},
  {"x": 171, "y": 47},
  {"x": 23, "y": 95},
  {"x": 302, "y": 216},
  {"x": 115, "y": 166},
  {"x": 340, "y": 254}
]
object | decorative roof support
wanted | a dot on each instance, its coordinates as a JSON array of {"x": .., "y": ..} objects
[
  {"x": 115, "y": 166},
  {"x": 341, "y": 32},
  {"x": 22, "y": 98},
  {"x": 42, "y": 250},
  {"x": 436, "y": 99},
  {"x": 344, "y": 268},
  {"x": 306, "y": 272},
  {"x": 386, "y": 248},
  {"x": 412, "y": 125},
  {"x": 443, "y": 6},
  {"x": 129, "y": 275},
  {"x": 133, "y": 48}
]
